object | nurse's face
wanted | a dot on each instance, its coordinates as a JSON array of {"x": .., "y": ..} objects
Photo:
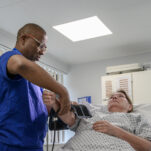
[{"x": 35, "y": 46}]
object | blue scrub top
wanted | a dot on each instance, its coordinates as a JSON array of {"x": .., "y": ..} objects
[{"x": 23, "y": 116}]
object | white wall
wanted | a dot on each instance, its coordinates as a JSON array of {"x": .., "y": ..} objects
[
  {"x": 7, "y": 39},
  {"x": 55, "y": 63},
  {"x": 84, "y": 80}
]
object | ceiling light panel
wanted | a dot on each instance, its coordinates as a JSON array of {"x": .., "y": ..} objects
[{"x": 83, "y": 29}]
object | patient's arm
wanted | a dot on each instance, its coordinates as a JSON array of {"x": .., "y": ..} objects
[
  {"x": 69, "y": 118},
  {"x": 138, "y": 143}
]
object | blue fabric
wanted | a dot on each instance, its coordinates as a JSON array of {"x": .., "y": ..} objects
[
  {"x": 4, "y": 147},
  {"x": 23, "y": 116}
]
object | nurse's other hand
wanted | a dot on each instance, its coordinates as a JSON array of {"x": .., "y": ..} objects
[
  {"x": 49, "y": 98},
  {"x": 74, "y": 103}
]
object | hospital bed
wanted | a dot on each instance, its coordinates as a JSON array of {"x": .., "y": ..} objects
[{"x": 145, "y": 109}]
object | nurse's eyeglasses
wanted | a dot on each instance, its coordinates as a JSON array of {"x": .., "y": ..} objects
[{"x": 41, "y": 45}]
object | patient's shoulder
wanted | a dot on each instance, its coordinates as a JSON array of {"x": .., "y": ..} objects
[
  {"x": 99, "y": 108},
  {"x": 138, "y": 118}
]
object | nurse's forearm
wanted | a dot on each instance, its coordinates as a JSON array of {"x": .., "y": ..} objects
[
  {"x": 18, "y": 64},
  {"x": 37, "y": 75}
]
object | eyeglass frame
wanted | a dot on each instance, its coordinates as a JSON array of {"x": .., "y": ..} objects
[
  {"x": 42, "y": 46},
  {"x": 118, "y": 96}
]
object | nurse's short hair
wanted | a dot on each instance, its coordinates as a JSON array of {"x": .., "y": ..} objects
[{"x": 30, "y": 28}]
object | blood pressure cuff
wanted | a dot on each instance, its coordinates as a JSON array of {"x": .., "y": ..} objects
[
  {"x": 55, "y": 123},
  {"x": 81, "y": 111}
]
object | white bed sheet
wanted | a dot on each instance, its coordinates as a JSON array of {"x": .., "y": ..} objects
[{"x": 145, "y": 109}]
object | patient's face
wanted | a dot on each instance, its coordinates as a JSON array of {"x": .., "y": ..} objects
[{"x": 118, "y": 103}]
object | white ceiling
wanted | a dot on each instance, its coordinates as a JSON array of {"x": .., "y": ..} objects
[{"x": 127, "y": 19}]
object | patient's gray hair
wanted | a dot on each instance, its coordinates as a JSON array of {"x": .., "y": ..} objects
[{"x": 127, "y": 97}]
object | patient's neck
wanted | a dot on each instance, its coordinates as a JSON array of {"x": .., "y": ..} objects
[{"x": 115, "y": 109}]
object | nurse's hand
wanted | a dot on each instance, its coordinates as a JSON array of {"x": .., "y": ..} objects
[
  {"x": 74, "y": 103},
  {"x": 106, "y": 127},
  {"x": 49, "y": 98}
]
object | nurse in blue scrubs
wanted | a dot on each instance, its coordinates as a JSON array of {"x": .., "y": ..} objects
[{"x": 23, "y": 115}]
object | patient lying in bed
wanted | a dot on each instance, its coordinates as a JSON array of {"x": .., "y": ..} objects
[{"x": 111, "y": 128}]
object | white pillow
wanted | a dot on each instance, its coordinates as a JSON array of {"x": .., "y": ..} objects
[{"x": 144, "y": 109}]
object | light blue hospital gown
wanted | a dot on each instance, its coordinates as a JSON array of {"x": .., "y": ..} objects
[{"x": 86, "y": 139}]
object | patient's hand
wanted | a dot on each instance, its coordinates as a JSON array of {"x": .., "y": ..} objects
[
  {"x": 105, "y": 127},
  {"x": 137, "y": 142}
]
